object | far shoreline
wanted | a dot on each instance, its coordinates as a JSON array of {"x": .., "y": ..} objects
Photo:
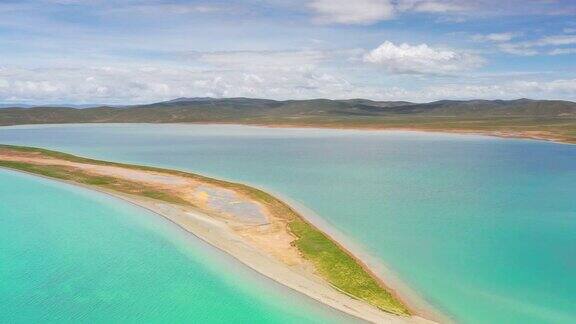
[{"x": 540, "y": 136}]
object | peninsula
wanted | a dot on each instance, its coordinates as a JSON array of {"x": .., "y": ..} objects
[{"x": 254, "y": 227}]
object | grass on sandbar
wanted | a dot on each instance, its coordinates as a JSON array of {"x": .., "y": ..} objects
[
  {"x": 341, "y": 270},
  {"x": 74, "y": 175}
]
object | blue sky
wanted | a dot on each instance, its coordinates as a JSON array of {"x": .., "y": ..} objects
[{"x": 136, "y": 51}]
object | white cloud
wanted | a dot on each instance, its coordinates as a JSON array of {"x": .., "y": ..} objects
[
  {"x": 143, "y": 84},
  {"x": 451, "y": 20},
  {"x": 365, "y": 12},
  {"x": 250, "y": 60},
  {"x": 562, "y": 51},
  {"x": 421, "y": 59},
  {"x": 360, "y": 12},
  {"x": 517, "y": 49},
  {"x": 555, "y": 89},
  {"x": 495, "y": 37},
  {"x": 555, "y": 40},
  {"x": 164, "y": 8},
  {"x": 137, "y": 84},
  {"x": 529, "y": 48},
  {"x": 430, "y": 6}
]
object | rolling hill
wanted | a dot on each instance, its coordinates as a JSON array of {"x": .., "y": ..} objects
[{"x": 552, "y": 119}]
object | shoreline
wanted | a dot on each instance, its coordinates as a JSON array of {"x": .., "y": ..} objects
[
  {"x": 414, "y": 300},
  {"x": 148, "y": 206},
  {"x": 543, "y": 136},
  {"x": 527, "y": 135},
  {"x": 217, "y": 233},
  {"x": 172, "y": 215}
]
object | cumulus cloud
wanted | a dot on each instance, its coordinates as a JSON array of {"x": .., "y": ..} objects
[
  {"x": 352, "y": 12},
  {"x": 421, "y": 59},
  {"x": 143, "y": 84},
  {"x": 137, "y": 84}
]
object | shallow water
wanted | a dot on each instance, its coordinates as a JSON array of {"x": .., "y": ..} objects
[
  {"x": 483, "y": 228},
  {"x": 72, "y": 255}
]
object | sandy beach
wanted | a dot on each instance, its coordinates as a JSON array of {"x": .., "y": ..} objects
[
  {"x": 520, "y": 134},
  {"x": 233, "y": 223},
  {"x": 301, "y": 279}
]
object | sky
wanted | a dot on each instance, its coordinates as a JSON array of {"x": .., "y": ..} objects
[{"x": 141, "y": 51}]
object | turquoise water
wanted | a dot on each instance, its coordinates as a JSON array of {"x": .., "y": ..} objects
[
  {"x": 483, "y": 228},
  {"x": 72, "y": 255}
]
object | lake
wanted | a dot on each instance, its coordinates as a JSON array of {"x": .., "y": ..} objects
[{"x": 483, "y": 228}]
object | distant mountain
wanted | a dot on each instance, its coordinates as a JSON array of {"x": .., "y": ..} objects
[
  {"x": 491, "y": 108},
  {"x": 24, "y": 105},
  {"x": 15, "y": 105},
  {"x": 501, "y": 115},
  {"x": 234, "y": 108},
  {"x": 194, "y": 99},
  {"x": 238, "y": 109}
]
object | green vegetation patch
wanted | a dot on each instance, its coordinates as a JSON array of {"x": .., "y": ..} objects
[
  {"x": 48, "y": 171},
  {"x": 341, "y": 269},
  {"x": 74, "y": 175}
]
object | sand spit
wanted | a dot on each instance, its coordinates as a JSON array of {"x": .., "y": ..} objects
[{"x": 228, "y": 220}]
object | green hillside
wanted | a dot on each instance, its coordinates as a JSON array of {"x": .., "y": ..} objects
[{"x": 557, "y": 119}]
